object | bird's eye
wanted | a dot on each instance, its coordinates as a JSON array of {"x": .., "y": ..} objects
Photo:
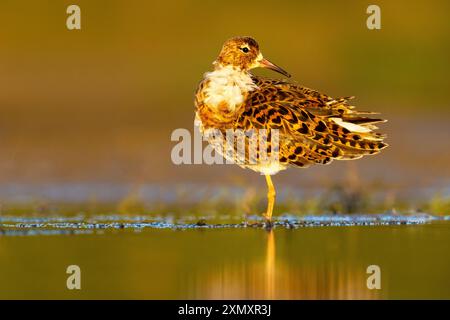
[{"x": 245, "y": 49}]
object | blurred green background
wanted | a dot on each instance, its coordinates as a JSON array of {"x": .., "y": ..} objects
[{"x": 99, "y": 104}]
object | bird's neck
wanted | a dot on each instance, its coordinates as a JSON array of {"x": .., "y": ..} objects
[{"x": 227, "y": 87}]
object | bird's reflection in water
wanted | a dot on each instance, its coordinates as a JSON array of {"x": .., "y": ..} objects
[
  {"x": 270, "y": 265},
  {"x": 274, "y": 278}
]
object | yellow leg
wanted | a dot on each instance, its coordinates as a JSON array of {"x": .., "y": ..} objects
[{"x": 270, "y": 198}]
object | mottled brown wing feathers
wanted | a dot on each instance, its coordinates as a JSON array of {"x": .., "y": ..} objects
[{"x": 313, "y": 127}]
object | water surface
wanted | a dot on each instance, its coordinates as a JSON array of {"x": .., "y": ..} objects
[{"x": 322, "y": 262}]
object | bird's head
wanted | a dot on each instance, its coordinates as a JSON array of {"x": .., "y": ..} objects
[{"x": 244, "y": 53}]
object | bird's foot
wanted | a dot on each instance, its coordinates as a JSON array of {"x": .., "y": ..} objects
[{"x": 268, "y": 223}]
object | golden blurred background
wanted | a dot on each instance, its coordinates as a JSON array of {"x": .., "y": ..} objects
[
  {"x": 86, "y": 117},
  {"x": 99, "y": 104}
]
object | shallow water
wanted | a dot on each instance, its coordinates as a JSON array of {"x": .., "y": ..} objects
[{"x": 134, "y": 259}]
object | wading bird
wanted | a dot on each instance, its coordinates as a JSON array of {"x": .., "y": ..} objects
[{"x": 312, "y": 127}]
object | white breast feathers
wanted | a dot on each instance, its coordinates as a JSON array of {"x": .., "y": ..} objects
[{"x": 227, "y": 85}]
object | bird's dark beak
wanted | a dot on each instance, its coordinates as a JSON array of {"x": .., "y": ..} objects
[{"x": 264, "y": 63}]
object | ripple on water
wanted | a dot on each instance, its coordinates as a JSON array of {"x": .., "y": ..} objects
[{"x": 60, "y": 225}]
